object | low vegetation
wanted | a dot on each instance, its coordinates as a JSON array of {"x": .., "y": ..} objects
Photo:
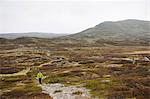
[{"x": 106, "y": 71}]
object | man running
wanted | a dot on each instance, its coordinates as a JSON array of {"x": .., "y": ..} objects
[{"x": 39, "y": 77}]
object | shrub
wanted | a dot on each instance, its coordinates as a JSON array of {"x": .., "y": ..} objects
[
  {"x": 54, "y": 79},
  {"x": 86, "y": 62}
]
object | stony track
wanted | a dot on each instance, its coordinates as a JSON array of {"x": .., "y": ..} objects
[{"x": 59, "y": 91}]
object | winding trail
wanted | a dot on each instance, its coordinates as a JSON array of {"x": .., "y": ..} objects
[
  {"x": 23, "y": 72},
  {"x": 59, "y": 91}
]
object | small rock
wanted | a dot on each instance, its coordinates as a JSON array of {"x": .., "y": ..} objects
[
  {"x": 95, "y": 75},
  {"x": 146, "y": 59},
  {"x": 106, "y": 76},
  {"x": 105, "y": 81}
]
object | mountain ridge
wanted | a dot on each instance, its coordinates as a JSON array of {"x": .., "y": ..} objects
[
  {"x": 30, "y": 34},
  {"x": 124, "y": 32},
  {"x": 128, "y": 31}
]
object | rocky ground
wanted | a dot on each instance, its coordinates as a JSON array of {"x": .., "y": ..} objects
[{"x": 60, "y": 91}]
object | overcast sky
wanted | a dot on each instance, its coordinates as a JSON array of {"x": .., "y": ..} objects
[{"x": 67, "y": 16}]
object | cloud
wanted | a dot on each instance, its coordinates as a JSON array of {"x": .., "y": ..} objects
[{"x": 66, "y": 16}]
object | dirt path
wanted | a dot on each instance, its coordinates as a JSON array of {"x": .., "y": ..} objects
[
  {"x": 138, "y": 52},
  {"x": 23, "y": 72},
  {"x": 41, "y": 65},
  {"x": 59, "y": 91}
]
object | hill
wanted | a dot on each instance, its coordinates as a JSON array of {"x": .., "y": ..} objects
[
  {"x": 126, "y": 32},
  {"x": 120, "y": 32},
  {"x": 30, "y": 34}
]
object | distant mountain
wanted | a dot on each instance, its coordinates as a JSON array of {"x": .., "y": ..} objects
[
  {"x": 30, "y": 34},
  {"x": 125, "y": 32},
  {"x": 129, "y": 31}
]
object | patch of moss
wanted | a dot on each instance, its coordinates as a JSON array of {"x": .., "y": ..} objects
[
  {"x": 54, "y": 79},
  {"x": 25, "y": 91},
  {"x": 14, "y": 78},
  {"x": 32, "y": 88},
  {"x": 4, "y": 85},
  {"x": 8, "y": 82},
  {"x": 98, "y": 88}
]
